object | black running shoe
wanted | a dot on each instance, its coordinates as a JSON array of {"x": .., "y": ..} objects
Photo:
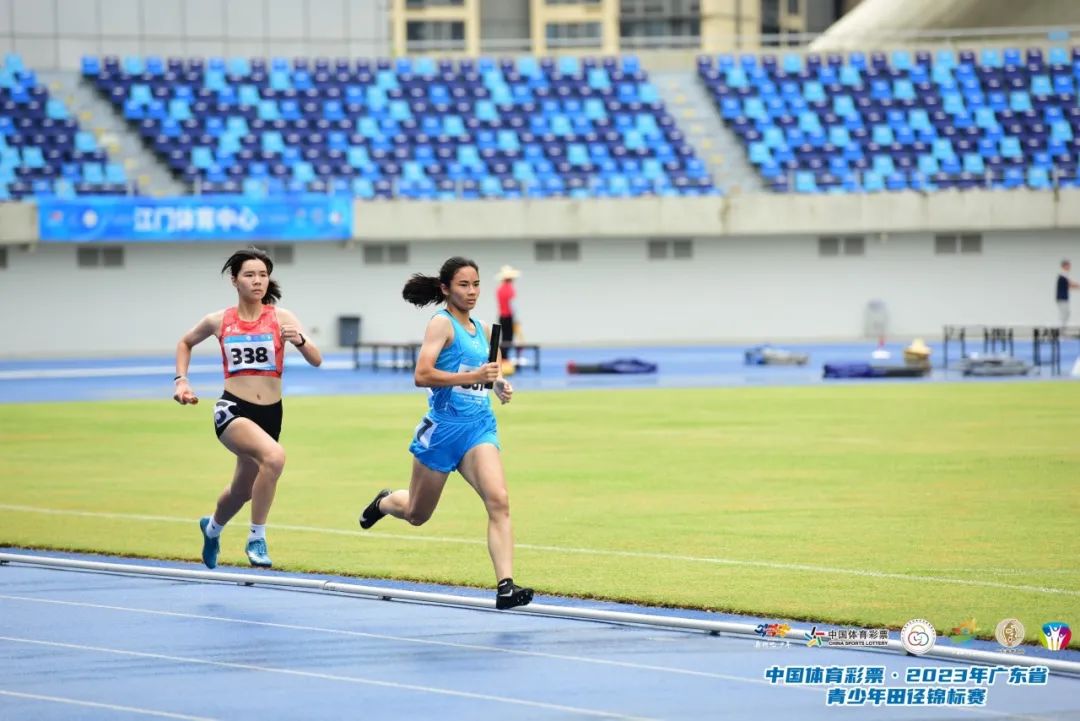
[
  {"x": 510, "y": 596},
  {"x": 372, "y": 513}
]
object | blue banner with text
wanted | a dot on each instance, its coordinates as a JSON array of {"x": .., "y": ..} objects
[{"x": 195, "y": 218}]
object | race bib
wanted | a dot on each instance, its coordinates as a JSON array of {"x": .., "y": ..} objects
[
  {"x": 250, "y": 353},
  {"x": 476, "y": 389}
]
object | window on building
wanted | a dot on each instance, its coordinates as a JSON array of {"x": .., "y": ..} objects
[
  {"x": 770, "y": 17},
  {"x": 834, "y": 245},
  {"x": 421, "y": 35},
  {"x": 99, "y": 256},
  {"x": 565, "y": 251},
  {"x": 545, "y": 252},
  {"x": 112, "y": 257},
  {"x": 953, "y": 243},
  {"x": 854, "y": 245},
  {"x": 675, "y": 249},
  {"x": 660, "y": 23},
  {"x": 828, "y": 245},
  {"x": 945, "y": 244},
  {"x": 386, "y": 254},
  {"x": 573, "y": 35},
  {"x": 281, "y": 254},
  {"x": 374, "y": 254},
  {"x": 422, "y": 4}
]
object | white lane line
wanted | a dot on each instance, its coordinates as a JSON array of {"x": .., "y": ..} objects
[
  {"x": 323, "y": 677},
  {"x": 374, "y": 536},
  {"x": 103, "y": 372},
  {"x": 401, "y": 639},
  {"x": 107, "y": 706},
  {"x": 972, "y": 709},
  {"x": 164, "y": 371}
]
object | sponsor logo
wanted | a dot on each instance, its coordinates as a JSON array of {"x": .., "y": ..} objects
[{"x": 918, "y": 636}]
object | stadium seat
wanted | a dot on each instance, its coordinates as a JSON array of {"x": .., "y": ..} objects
[
  {"x": 415, "y": 128},
  {"x": 890, "y": 122},
  {"x": 42, "y": 150}
]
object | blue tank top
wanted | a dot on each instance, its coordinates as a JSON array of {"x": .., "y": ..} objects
[{"x": 467, "y": 352}]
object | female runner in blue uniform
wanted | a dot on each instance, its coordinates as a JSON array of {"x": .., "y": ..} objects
[{"x": 458, "y": 432}]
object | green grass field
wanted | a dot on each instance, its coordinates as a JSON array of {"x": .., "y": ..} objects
[{"x": 855, "y": 504}]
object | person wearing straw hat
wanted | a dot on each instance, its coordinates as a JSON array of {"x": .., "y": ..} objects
[
  {"x": 505, "y": 295},
  {"x": 917, "y": 354}
]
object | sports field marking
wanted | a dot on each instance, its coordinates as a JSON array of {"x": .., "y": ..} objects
[
  {"x": 107, "y": 706},
  {"x": 122, "y": 371},
  {"x": 402, "y": 639},
  {"x": 583, "y": 551},
  {"x": 103, "y": 372},
  {"x": 322, "y": 676}
]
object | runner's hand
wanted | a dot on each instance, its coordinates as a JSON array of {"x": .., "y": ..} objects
[
  {"x": 290, "y": 333},
  {"x": 487, "y": 373},
  {"x": 184, "y": 395},
  {"x": 503, "y": 390}
]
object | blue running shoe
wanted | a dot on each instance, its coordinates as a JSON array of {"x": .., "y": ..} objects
[
  {"x": 210, "y": 546},
  {"x": 257, "y": 553}
]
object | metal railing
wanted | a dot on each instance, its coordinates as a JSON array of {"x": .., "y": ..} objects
[
  {"x": 1058, "y": 178},
  {"x": 746, "y": 630}
]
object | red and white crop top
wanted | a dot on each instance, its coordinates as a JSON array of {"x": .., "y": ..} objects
[{"x": 252, "y": 348}]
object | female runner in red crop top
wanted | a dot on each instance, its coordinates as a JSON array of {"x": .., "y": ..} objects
[{"x": 247, "y": 417}]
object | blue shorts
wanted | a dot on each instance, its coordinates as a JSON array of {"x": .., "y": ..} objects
[{"x": 440, "y": 445}]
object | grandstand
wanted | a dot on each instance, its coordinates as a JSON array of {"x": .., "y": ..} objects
[
  {"x": 577, "y": 127},
  {"x": 1000, "y": 118},
  {"x": 421, "y": 130},
  {"x": 42, "y": 149},
  {"x": 870, "y": 106}
]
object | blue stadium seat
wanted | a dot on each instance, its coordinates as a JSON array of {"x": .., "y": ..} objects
[{"x": 877, "y": 122}]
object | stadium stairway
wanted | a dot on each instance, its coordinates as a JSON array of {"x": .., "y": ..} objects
[
  {"x": 719, "y": 148},
  {"x": 123, "y": 144}
]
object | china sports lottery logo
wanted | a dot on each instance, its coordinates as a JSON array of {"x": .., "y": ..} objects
[
  {"x": 1056, "y": 635},
  {"x": 918, "y": 636}
]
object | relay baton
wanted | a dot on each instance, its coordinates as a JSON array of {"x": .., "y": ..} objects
[{"x": 493, "y": 351}]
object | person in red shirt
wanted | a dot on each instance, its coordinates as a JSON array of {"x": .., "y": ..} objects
[
  {"x": 247, "y": 417},
  {"x": 505, "y": 295}
]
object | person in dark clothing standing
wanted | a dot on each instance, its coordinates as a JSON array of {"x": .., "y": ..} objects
[{"x": 1064, "y": 285}]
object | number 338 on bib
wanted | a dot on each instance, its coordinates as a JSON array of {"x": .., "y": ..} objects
[{"x": 250, "y": 352}]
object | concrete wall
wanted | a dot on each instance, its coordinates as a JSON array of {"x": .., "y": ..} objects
[
  {"x": 18, "y": 223},
  {"x": 57, "y": 33},
  {"x": 754, "y": 214},
  {"x": 734, "y": 288},
  {"x": 755, "y": 274}
]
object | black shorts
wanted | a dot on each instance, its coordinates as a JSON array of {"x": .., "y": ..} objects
[
  {"x": 229, "y": 408},
  {"x": 507, "y": 323}
]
